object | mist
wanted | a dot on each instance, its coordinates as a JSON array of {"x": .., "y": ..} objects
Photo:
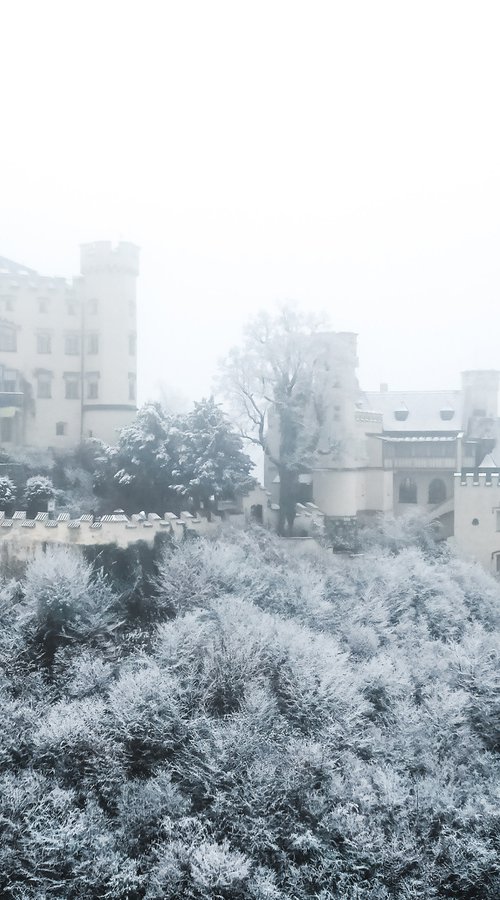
[{"x": 344, "y": 156}]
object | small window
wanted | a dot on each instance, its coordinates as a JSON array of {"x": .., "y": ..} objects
[
  {"x": 61, "y": 428},
  {"x": 498, "y": 563},
  {"x": 447, "y": 414},
  {"x": 132, "y": 386},
  {"x": 408, "y": 491},
  {"x": 44, "y": 386},
  {"x": 43, "y": 306},
  {"x": 92, "y": 389},
  {"x": 44, "y": 343},
  {"x": 7, "y": 430},
  {"x": 132, "y": 344},
  {"x": 401, "y": 414},
  {"x": 92, "y": 344},
  {"x": 8, "y": 338},
  {"x": 72, "y": 344},
  {"x": 93, "y": 307},
  {"x": 71, "y": 307},
  {"x": 475, "y": 522},
  {"x": 72, "y": 388},
  {"x": 498, "y": 519}
]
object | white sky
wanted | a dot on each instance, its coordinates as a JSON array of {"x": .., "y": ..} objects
[{"x": 342, "y": 154}]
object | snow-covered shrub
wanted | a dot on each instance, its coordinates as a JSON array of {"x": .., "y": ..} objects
[
  {"x": 7, "y": 493},
  {"x": 38, "y": 491}
]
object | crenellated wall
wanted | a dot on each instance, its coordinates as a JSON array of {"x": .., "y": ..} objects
[{"x": 21, "y": 538}]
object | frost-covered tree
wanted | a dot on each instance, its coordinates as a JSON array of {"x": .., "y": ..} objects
[
  {"x": 274, "y": 374},
  {"x": 162, "y": 460},
  {"x": 38, "y": 491},
  {"x": 211, "y": 463},
  {"x": 7, "y": 493},
  {"x": 137, "y": 472}
]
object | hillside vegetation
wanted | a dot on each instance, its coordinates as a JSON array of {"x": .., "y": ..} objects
[{"x": 254, "y": 724}]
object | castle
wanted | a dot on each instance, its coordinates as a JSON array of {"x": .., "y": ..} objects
[
  {"x": 395, "y": 451},
  {"x": 68, "y": 350}
]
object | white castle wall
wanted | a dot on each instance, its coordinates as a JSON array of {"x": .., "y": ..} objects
[{"x": 477, "y": 518}]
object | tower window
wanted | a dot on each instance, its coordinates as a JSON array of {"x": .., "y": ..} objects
[
  {"x": 61, "y": 428},
  {"x": 132, "y": 390},
  {"x": 72, "y": 387},
  {"x": 72, "y": 344},
  {"x": 44, "y": 343},
  {"x": 92, "y": 389},
  {"x": 8, "y": 338},
  {"x": 44, "y": 386},
  {"x": 92, "y": 344}
]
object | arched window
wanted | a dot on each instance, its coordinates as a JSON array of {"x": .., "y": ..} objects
[
  {"x": 437, "y": 491},
  {"x": 408, "y": 491}
]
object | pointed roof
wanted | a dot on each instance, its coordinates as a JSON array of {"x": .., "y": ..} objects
[
  {"x": 489, "y": 462},
  {"x": 9, "y": 267}
]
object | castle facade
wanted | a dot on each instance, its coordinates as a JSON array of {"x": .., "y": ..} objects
[
  {"x": 68, "y": 361},
  {"x": 396, "y": 451}
]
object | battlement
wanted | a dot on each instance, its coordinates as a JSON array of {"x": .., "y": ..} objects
[
  {"x": 107, "y": 529},
  {"x": 471, "y": 479},
  {"x": 103, "y": 256}
]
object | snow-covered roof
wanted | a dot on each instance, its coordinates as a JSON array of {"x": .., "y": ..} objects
[
  {"x": 489, "y": 462},
  {"x": 9, "y": 267},
  {"x": 417, "y": 411}
]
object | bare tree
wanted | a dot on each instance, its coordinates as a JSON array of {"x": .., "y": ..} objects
[{"x": 275, "y": 384}]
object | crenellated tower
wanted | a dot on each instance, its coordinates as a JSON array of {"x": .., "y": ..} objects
[{"x": 107, "y": 289}]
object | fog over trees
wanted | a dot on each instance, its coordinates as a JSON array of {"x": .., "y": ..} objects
[{"x": 251, "y": 723}]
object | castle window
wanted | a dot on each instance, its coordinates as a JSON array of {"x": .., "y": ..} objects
[
  {"x": 8, "y": 338},
  {"x": 61, "y": 428},
  {"x": 402, "y": 413},
  {"x": 92, "y": 389},
  {"x": 437, "y": 491},
  {"x": 43, "y": 343},
  {"x": 446, "y": 414},
  {"x": 475, "y": 521},
  {"x": 44, "y": 385},
  {"x": 131, "y": 386},
  {"x": 498, "y": 519},
  {"x": 72, "y": 344},
  {"x": 92, "y": 344},
  {"x": 408, "y": 491},
  {"x": 71, "y": 387}
]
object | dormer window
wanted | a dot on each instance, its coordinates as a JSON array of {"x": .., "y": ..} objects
[
  {"x": 446, "y": 413},
  {"x": 401, "y": 413}
]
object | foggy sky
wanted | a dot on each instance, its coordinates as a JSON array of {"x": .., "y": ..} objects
[{"x": 341, "y": 154}]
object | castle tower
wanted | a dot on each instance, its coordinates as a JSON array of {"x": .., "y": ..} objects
[{"x": 107, "y": 290}]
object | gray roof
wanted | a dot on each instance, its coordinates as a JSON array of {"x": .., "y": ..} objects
[
  {"x": 424, "y": 410},
  {"x": 9, "y": 267}
]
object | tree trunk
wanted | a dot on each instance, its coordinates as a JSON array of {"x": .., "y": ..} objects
[{"x": 287, "y": 501}]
